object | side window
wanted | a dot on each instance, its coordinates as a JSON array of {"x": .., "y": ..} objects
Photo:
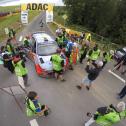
[{"x": 33, "y": 45}]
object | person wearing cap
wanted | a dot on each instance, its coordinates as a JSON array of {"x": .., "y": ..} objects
[
  {"x": 107, "y": 57},
  {"x": 20, "y": 71},
  {"x": 34, "y": 107},
  {"x": 108, "y": 115},
  {"x": 93, "y": 73},
  {"x": 58, "y": 65}
]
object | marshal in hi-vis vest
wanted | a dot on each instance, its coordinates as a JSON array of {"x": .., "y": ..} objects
[
  {"x": 19, "y": 69},
  {"x": 30, "y": 107},
  {"x": 56, "y": 61},
  {"x": 94, "y": 55}
]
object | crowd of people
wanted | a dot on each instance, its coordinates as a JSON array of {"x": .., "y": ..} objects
[
  {"x": 72, "y": 49},
  {"x": 77, "y": 48}
]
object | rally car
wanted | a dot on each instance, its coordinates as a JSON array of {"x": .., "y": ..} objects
[{"x": 43, "y": 47}]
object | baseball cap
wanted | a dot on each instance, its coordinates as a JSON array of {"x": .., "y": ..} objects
[
  {"x": 99, "y": 63},
  {"x": 121, "y": 106}
]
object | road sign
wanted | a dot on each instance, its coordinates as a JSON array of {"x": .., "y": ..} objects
[
  {"x": 49, "y": 16},
  {"x": 49, "y": 13},
  {"x": 24, "y": 17},
  {"x": 65, "y": 17}
]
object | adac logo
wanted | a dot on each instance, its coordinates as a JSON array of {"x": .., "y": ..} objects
[{"x": 36, "y": 6}]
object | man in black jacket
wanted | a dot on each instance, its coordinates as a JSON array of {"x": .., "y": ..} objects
[{"x": 93, "y": 73}]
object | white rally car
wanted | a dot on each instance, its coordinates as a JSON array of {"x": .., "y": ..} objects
[{"x": 43, "y": 47}]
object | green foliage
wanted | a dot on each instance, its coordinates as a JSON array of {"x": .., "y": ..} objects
[{"x": 104, "y": 17}]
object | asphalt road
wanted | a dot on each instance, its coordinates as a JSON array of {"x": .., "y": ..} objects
[{"x": 69, "y": 105}]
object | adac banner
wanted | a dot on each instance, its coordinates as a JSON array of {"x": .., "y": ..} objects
[
  {"x": 41, "y": 7},
  {"x": 37, "y": 6}
]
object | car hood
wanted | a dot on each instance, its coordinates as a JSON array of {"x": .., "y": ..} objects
[
  {"x": 47, "y": 64},
  {"x": 45, "y": 58}
]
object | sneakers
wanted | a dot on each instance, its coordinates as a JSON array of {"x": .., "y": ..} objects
[
  {"x": 79, "y": 87},
  {"x": 87, "y": 88},
  {"x": 63, "y": 80}
]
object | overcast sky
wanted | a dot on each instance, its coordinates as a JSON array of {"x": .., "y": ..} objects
[{"x": 17, "y": 2}]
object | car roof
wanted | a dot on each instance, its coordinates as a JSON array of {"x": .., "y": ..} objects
[{"x": 42, "y": 38}]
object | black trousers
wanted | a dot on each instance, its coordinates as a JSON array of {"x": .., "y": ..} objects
[
  {"x": 104, "y": 63},
  {"x": 123, "y": 92},
  {"x": 82, "y": 57},
  {"x": 25, "y": 78}
]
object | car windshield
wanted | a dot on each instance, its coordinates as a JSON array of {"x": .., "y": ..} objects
[{"x": 44, "y": 50}]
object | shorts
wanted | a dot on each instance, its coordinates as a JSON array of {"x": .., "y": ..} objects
[
  {"x": 58, "y": 72},
  {"x": 86, "y": 81}
]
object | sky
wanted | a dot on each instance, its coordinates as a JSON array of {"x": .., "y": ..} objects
[{"x": 17, "y": 2}]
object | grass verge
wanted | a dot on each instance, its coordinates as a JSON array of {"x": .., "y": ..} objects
[{"x": 13, "y": 21}]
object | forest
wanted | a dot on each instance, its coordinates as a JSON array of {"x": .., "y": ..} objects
[{"x": 104, "y": 17}]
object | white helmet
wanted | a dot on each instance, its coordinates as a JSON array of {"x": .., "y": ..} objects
[
  {"x": 99, "y": 63},
  {"x": 121, "y": 106},
  {"x": 112, "y": 52}
]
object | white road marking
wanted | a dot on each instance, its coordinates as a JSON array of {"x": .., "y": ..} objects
[
  {"x": 33, "y": 122},
  {"x": 117, "y": 76},
  {"x": 20, "y": 39}
]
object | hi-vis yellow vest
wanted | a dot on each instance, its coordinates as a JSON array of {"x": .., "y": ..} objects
[
  {"x": 95, "y": 55},
  {"x": 30, "y": 107},
  {"x": 19, "y": 69},
  {"x": 88, "y": 36}
]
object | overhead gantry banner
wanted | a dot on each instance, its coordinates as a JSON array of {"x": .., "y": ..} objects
[{"x": 40, "y": 7}]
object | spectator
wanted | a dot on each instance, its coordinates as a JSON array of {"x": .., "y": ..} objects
[{"x": 93, "y": 73}]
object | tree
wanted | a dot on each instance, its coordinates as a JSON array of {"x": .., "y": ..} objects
[{"x": 105, "y": 17}]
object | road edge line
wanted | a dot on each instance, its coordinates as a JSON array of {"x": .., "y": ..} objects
[{"x": 117, "y": 76}]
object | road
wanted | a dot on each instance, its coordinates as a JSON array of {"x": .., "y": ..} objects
[{"x": 69, "y": 105}]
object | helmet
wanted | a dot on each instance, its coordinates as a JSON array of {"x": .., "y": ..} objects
[
  {"x": 112, "y": 52},
  {"x": 99, "y": 63},
  {"x": 121, "y": 106}
]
